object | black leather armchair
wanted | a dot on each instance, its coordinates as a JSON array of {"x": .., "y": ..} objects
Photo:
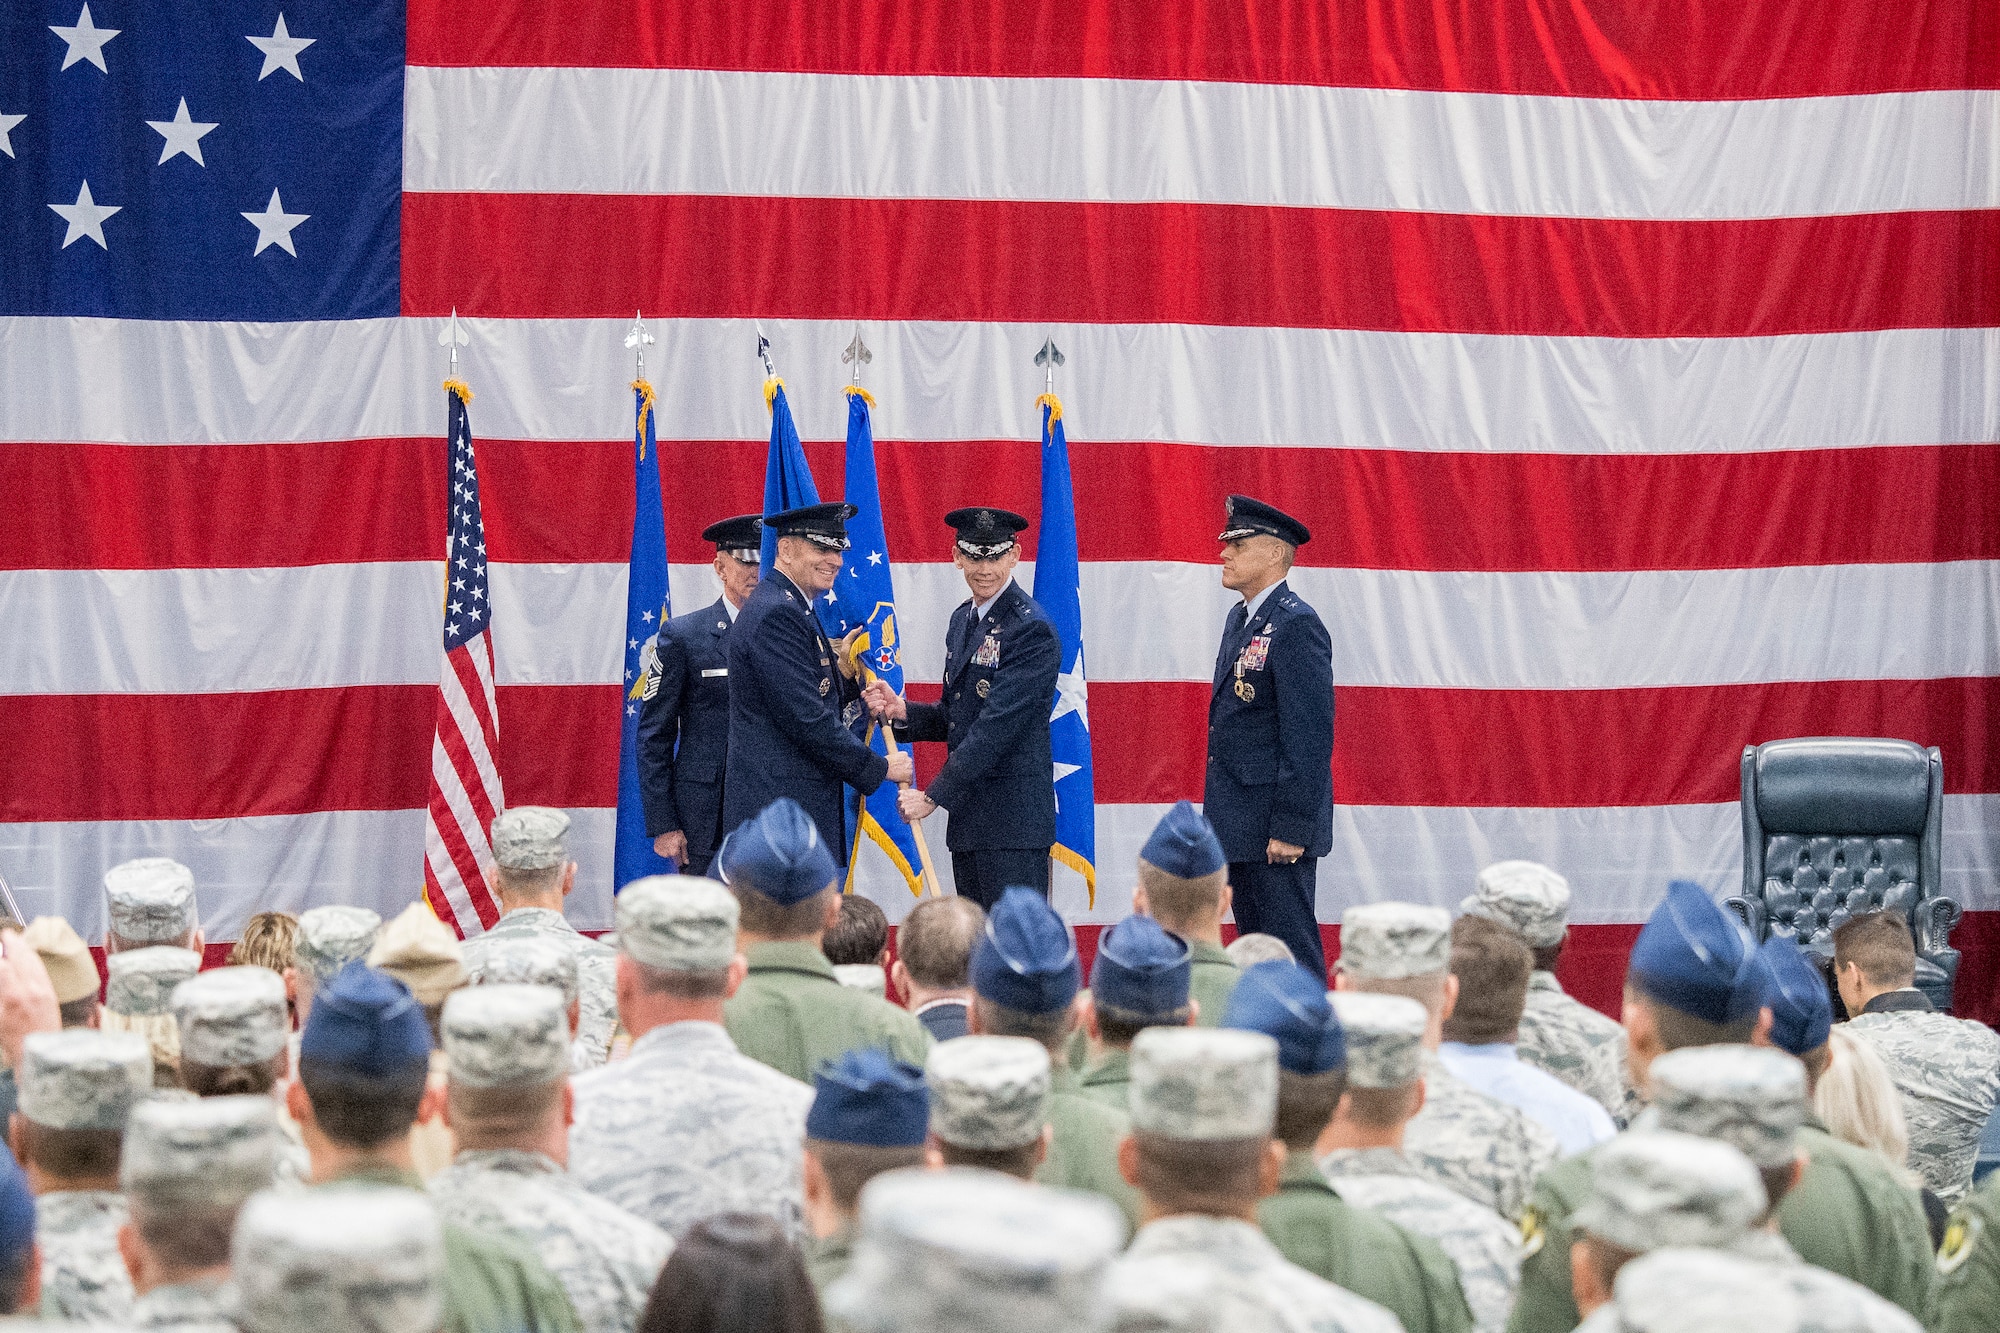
[{"x": 1835, "y": 827}]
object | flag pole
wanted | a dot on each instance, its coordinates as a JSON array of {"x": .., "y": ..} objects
[{"x": 1048, "y": 359}]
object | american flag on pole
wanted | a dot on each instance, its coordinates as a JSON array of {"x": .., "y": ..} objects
[
  {"x": 465, "y": 784},
  {"x": 1636, "y": 366}
]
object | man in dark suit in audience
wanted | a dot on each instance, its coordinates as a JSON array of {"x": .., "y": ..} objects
[{"x": 933, "y": 967}]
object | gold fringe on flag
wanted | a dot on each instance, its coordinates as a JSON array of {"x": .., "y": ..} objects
[
  {"x": 771, "y": 387},
  {"x": 645, "y": 391},
  {"x": 1053, "y": 403},
  {"x": 853, "y": 389},
  {"x": 461, "y": 388}
]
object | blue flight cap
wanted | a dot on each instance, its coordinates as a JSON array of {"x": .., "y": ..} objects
[
  {"x": 1246, "y": 517},
  {"x": 17, "y": 1214},
  {"x": 1141, "y": 968},
  {"x": 1026, "y": 961},
  {"x": 1795, "y": 993},
  {"x": 1690, "y": 957},
  {"x": 367, "y": 1022},
  {"x": 1288, "y": 1003},
  {"x": 866, "y": 1097},
  {"x": 778, "y": 854},
  {"x": 1183, "y": 844}
]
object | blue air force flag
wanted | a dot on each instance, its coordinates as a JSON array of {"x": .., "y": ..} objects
[
  {"x": 646, "y": 610},
  {"x": 1058, "y": 588}
]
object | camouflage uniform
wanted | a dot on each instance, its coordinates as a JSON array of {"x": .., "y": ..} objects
[
  {"x": 687, "y": 1126},
  {"x": 1692, "y": 1290},
  {"x": 83, "y": 1276},
  {"x": 596, "y": 974},
  {"x": 792, "y": 1014},
  {"x": 1354, "y": 1247},
  {"x": 1485, "y": 1250},
  {"x": 1236, "y": 1277},
  {"x": 196, "y": 1307},
  {"x": 1948, "y": 1072},
  {"x": 369, "y": 1260},
  {"x": 1828, "y": 1302},
  {"x": 1967, "y": 1291},
  {"x": 1485, "y": 1150},
  {"x": 1565, "y": 1037},
  {"x": 606, "y": 1258}
]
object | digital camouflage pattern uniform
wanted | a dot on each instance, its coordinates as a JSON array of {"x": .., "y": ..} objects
[
  {"x": 596, "y": 974},
  {"x": 793, "y": 1014},
  {"x": 1483, "y": 1248},
  {"x": 1236, "y": 1277},
  {"x": 1563, "y": 1036},
  {"x": 83, "y": 1277},
  {"x": 1485, "y": 1150},
  {"x": 193, "y": 1307},
  {"x": 1948, "y": 1072}
]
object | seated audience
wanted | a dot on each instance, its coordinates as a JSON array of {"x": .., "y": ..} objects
[
  {"x": 1857, "y": 1102},
  {"x": 932, "y": 971},
  {"x": 859, "y": 936},
  {"x": 870, "y": 1114}
]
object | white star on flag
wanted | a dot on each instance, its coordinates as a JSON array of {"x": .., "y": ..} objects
[
  {"x": 86, "y": 42},
  {"x": 7, "y": 124},
  {"x": 183, "y": 134},
  {"x": 281, "y": 51},
  {"x": 874, "y": 557},
  {"x": 85, "y": 217},
  {"x": 274, "y": 227},
  {"x": 1073, "y": 696}
]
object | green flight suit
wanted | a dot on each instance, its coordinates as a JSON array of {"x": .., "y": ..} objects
[
  {"x": 1966, "y": 1293},
  {"x": 829, "y": 1257},
  {"x": 792, "y": 1015},
  {"x": 1363, "y": 1251},
  {"x": 492, "y": 1283},
  {"x": 1084, "y": 1151},
  {"x": 1848, "y": 1214},
  {"x": 1213, "y": 978},
  {"x": 1108, "y": 1079}
]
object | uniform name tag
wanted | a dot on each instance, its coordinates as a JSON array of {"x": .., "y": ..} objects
[
  {"x": 1254, "y": 653},
  {"x": 988, "y": 654},
  {"x": 715, "y": 671}
]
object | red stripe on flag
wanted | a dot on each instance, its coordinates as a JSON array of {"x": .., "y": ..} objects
[
  {"x": 1715, "y": 49},
  {"x": 570, "y": 502},
  {"x": 549, "y": 256}
]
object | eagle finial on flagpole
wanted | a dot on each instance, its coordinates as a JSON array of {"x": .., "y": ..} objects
[
  {"x": 857, "y": 352},
  {"x": 638, "y": 340},
  {"x": 764, "y": 355}
]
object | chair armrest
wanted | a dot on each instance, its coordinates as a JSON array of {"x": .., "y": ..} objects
[
  {"x": 1749, "y": 911},
  {"x": 1932, "y": 922}
]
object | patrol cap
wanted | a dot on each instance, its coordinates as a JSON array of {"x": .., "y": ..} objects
[
  {"x": 1204, "y": 1083},
  {"x": 232, "y": 1016},
  {"x": 1141, "y": 968},
  {"x": 1385, "y": 1038},
  {"x": 530, "y": 837},
  {"x": 1246, "y": 517},
  {"x": 1289, "y": 1004},
  {"x": 211, "y": 1151},
  {"x": 368, "y": 1022},
  {"x": 866, "y": 1097},
  {"x": 741, "y": 537},
  {"x": 777, "y": 853},
  {"x": 142, "y": 981},
  {"x": 988, "y": 1094},
  {"x": 1702, "y": 1291},
  {"x": 968, "y": 1249},
  {"x": 1750, "y": 1097},
  {"x": 985, "y": 534},
  {"x": 1526, "y": 897},
  {"x": 824, "y": 525},
  {"x": 677, "y": 923},
  {"x": 1248, "y": 950},
  {"x": 535, "y": 960},
  {"x": 17, "y": 1217},
  {"x": 71, "y": 969},
  {"x": 506, "y": 1036},
  {"x": 1689, "y": 956},
  {"x": 81, "y": 1078},
  {"x": 359, "y": 1259},
  {"x": 418, "y": 950},
  {"x": 1026, "y": 961},
  {"x": 1658, "y": 1189},
  {"x": 863, "y": 976},
  {"x": 332, "y": 937},
  {"x": 1391, "y": 941},
  {"x": 1795, "y": 993},
  {"x": 151, "y": 899},
  {"x": 1183, "y": 844}
]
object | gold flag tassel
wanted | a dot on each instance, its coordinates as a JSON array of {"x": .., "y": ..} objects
[
  {"x": 646, "y": 399},
  {"x": 1053, "y": 403},
  {"x": 461, "y": 388}
]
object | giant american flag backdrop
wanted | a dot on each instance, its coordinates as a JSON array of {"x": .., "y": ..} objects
[{"x": 1635, "y": 365}]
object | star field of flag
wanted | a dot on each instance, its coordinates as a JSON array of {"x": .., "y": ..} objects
[
  {"x": 466, "y": 613},
  {"x": 201, "y": 159}
]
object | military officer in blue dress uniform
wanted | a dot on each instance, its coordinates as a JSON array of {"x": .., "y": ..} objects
[
  {"x": 1001, "y": 661},
  {"x": 792, "y": 705},
  {"x": 684, "y": 709},
  {"x": 1269, "y": 782}
]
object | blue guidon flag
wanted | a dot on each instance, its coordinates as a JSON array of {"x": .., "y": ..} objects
[
  {"x": 648, "y": 604},
  {"x": 1058, "y": 587}
]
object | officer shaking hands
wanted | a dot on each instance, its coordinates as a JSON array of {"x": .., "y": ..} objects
[
  {"x": 792, "y": 702},
  {"x": 1269, "y": 779},
  {"x": 684, "y": 714},
  {"x": 1001, "y": 661}
]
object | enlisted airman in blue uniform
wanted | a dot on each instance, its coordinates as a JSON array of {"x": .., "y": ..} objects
[
  {"x": 684, "y": 711},
  {"x": 1269, "y": 781},
  {"x": 792, "y": 705},
  {"x": 1001, "y": 661}
]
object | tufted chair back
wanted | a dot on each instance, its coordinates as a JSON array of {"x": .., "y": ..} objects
[{"x": 1835, "y": 827}]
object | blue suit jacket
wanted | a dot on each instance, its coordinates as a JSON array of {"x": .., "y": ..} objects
[
  {"x": 786, "y": 734},
  {"x": 1270, "y": 757},
  {"x": 999, "y": 781},
  {"x": 684, "y": 732}
]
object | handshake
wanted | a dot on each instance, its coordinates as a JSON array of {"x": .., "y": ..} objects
[{"x": 888, "y": 706}]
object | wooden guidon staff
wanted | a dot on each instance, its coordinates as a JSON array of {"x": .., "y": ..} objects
[{"x": 852, "y": 655}]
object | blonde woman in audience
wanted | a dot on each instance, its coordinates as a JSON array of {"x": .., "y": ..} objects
[{"x": 1858, "y": 1102}]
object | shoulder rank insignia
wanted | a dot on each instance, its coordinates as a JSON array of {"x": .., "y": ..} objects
[
  {"x": 1961, "y": 1238},
  {"x": 1533, "y": 1232}
]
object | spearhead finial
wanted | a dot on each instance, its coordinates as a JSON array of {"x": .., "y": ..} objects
[
  {"x": 858, "y": 354},
  {"x": 1049, "y": 358},
  {"x": 764, "y": 355},
  {"x": 638, "y": 337},
  {"x": 451, "y": 335}
]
